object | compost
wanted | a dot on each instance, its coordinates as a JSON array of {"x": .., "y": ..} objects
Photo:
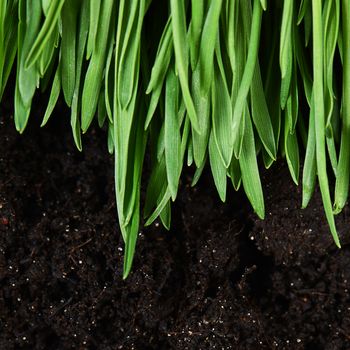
[{"x": 220, "y": 279}]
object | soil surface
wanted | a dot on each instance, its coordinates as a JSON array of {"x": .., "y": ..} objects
[{"x": 220, "y": 279}]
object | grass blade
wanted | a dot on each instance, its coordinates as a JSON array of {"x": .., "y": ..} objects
[
  {"x": 218, "y": 169},
  {"x": 320, "y": 115},
  {"x": 343, "y": 170},
  {"x": 249, "y": 169},
  {"x": 181, "y": 55},
  {"x": 291, "y": 148},
  {"x": 45, "y": 31},
  {"x": 260, "y": 114},
  {"x": 172, "y": 133},
  {"x": 247, "y": 76},
  {"x": 222, "y": 116},
  {"x": 94, "y": 15},
  {"x": 68, "y": 48},
  {"x": 309, "y": 170},
  {"x": 76, "y": 99},
  {"x": 163, "y": 58},
  {"x": 93, "y": 78},
  {"x": 286, "y": 50},
  {"x": 55, "y": 92}
]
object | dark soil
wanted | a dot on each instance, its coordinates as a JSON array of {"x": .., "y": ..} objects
[{"x": 220, "y": 279}]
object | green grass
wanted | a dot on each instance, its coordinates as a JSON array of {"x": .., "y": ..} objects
[{"x": 227, "y": 83}]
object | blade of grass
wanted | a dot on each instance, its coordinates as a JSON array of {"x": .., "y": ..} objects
[
  {"x": 202, "y": 79},
  {"x": 247, "y": 76},
  {"x": 320, "y": 115},
  {"x": 260, "y": 114},
  {"x": 10, "y": 44},
  {"x": 55, "y": 92},
  {"x": 47, "y": 54},
  {"x": 182, "y": 56},
  {"x": 76, "y": 99},
  {"x": 109, "y": 82},
  {"x": 94, "y": 15},
  {"x": 163, "y": 56},
  {"x": 222, "y": 116},
  {"x": 234, "y": 172},
  {"x": 165, "y": 216},
  {"x": 45, "y": 31},
  {"x": 291, "y": 147},
  {"x": 331, "y": 31},
  {"x": 286, "y": 50},
  {"x": 68, "y": 48},
  {"x": 27, "y": 78},
  {"x": 309, "y": 170},
  {"x": 218, "y": 169},
  {"x": 3, "y": 13},
  {"x": 197, "y": 11},
  {"x": 94, "y": 74},
  {"x": 172, "y": 133},
  {"x": 249, "y": 169},
  {"x": 101, "y": 110},
  {"x": 343, "y": 169}
]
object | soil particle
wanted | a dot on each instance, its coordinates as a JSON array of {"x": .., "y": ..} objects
[{"x": 220, "y": 279}]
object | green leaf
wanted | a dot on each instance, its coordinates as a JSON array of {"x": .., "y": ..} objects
[
  {"x": 305, "y": 70},
  {"x": 217, "y": 168},
  {"x": 309, "y": 170},
  {"x": 27, "y": 77},
  {"x": 331, "y": 31},
  {"x": 263, "y": 4},
  {"x": 202, "y": 106},
  {"x": 109, "y": 81},
  {"x": 110, "y": 138},
  {"x": 162, "y": 203},
  {"x": 3, "y": 13},
  {"x": 249, "y": 169},
  {"x": 181, "y": 55},
  {"x": 234, "y": 172},
  {"x": 9, "y": 45},
  {"x": 45, "y": 32},
  {"x": 131, "y": 232},
  {"x": 165, "y": 216},
  {"x": 172, "y": 133},
  {"x": 163, "y": 57},
  {"x": 94, "y": 74},
  {"x": 76, "y": 100},
  {"x": 156, "y": 183},
  {"x": 197, "y": 175},
  {"x": 260, "y": 114},
  {"x": 55, "y": 92},
  {"x": 318, "y": 94},
  {"x": 291, "y": 148},
  {"x": 222, "y": 117},
  {"x": 343, "y": 169},
  {"x": 47, "y": 56},
  {"x": 101, "y": 109},
  {"x": 247, "y": 77},
  {"x": 94, "y": 15},
  {"x": 302, "y": 10},
  {"x": 68, "y": 48},
  {"x": 286, "y": 50},
  {"x": 197, "y": 12},
  {"x": 207, "y": 46},
  {"x": 129, "y": 55}
]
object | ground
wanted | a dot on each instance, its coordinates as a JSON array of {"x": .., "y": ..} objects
[{"x": 220, "y": 279}]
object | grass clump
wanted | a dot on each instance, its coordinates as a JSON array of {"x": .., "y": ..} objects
[{"x": 191, "y": 82}]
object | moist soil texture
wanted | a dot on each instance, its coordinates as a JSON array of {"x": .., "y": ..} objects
[{"x": 219, "y": 279}]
